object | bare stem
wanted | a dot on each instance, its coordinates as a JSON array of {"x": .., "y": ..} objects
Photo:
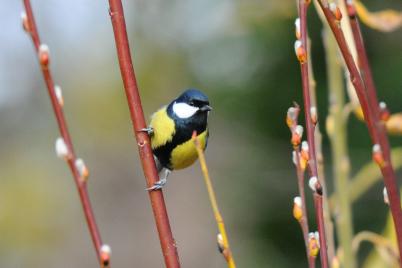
[
  {"x": 311, "y": 122},
  {"x": 370, "y": 106},
  {"x": 223, "y": 242},
  {"x": 29, "y": 23},
  {"x": 137, "y": 116}
]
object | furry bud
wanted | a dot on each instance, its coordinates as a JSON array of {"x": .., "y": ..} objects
[
  {"x": 297, "y": 28},
  {"x": 59, "y": 95},
  {"x": 297, "y": 208},
  {"x": 300, "y": 51},
  {"x": 335, "y": 11},
  {"x": 378, "y": 156},
  {"x": 105, "y": 253},
  {"x": 24, "y": 20},
  {"x": 313, "y": 244},
  {"x": 43, "y": 55},
  {"x": 82, "y": 169},
  {"x": 61, "y": 149}
]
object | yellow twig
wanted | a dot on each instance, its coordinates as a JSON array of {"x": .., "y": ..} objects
[{"x": 223, "y": 242}]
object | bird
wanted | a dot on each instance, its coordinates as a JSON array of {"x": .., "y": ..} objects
[{"x": 171, "y": 129}]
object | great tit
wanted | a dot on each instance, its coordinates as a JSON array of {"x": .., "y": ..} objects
[{"x": 171, "y": 129}]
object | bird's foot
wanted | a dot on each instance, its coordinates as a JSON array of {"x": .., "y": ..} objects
[
  {"x": 148, "y": 130},
  {"x": 157, "y": 185}
]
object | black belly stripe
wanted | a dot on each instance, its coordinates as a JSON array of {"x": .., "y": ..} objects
[{"x": 184, "y": 132}]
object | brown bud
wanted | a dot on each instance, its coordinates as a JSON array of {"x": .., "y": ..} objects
[
  {"x": 105, "y": 253},
  {"x": 351, "y": 9},
  {"x": 24, "y": 20},
  {"x": 378, "y": 156},
  {"x": 82, "y": 169},
  {"x": 300, "y": 51},
  {"x": 313, "y": 114},
  {"x": 335, "y": 11},
  {"x": 43, "y": 55},
  {"x": 384, "y": 112}
]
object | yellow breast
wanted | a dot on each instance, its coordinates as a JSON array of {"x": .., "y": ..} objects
[
  {"x": 163, "y": 127},
  {"x": 185, "y": 154}
]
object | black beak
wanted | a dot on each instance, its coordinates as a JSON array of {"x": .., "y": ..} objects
[{"x": 206, "y": 108}]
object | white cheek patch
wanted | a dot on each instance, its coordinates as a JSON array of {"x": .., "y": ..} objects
[{"x": 183, "y": 110}]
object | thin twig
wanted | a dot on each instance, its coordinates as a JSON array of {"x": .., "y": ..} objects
[
  {"x": 329, "y": 225},
  {"x": 223, "y": 241},
  {"x": 167, "y": 242},
  {"x": 370, "y": 106},
  {"x": 300, "y": 162},
  {"x": 311, "y": 121},
  {"x": 65, "y": 142}
]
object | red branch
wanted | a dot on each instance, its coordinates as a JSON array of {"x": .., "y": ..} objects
[
  {"x": 366, "y": 93},
  {"x": 310, "y": 128},
  {"x": 292, "y": 121},
  {"x": 137, "y": 116},
  {"x": 30, "y": 26}
]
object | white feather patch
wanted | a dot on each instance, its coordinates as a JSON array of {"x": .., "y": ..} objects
[{"x": 183, "y": 110}]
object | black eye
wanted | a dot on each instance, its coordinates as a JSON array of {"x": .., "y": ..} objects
[{"x": 191, "y": 103}]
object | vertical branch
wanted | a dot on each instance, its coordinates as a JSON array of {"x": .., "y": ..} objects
[
  {"x": 137, "y": 116},
  {"x": 64, "y": 145},
  {"x": 223, "y": 241},
  {"x": 311, "y": 121},
  {"x": 300, "y": 157},
  {"x": 338, "y": 136},
  {"x": 329, "y": 226},
  {"x": 370, "y": 107},
  {"x": 362, "y": 59}
]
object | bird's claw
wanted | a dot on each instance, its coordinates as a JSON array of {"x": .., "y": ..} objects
[
  {"x": 148, "y": 130},
  {"x": 157, "y": 185}
]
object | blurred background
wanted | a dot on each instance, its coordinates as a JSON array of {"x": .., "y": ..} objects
[{"x": 238, "y": 52}]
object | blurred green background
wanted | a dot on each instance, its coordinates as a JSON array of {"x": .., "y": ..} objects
[{"x": 238, "y": 52}]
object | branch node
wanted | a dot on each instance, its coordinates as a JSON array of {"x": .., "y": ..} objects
[{"x": 142, "y": 143}]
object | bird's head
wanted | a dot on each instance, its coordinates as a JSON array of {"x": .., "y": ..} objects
[{"x": 190, "y": 103}]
